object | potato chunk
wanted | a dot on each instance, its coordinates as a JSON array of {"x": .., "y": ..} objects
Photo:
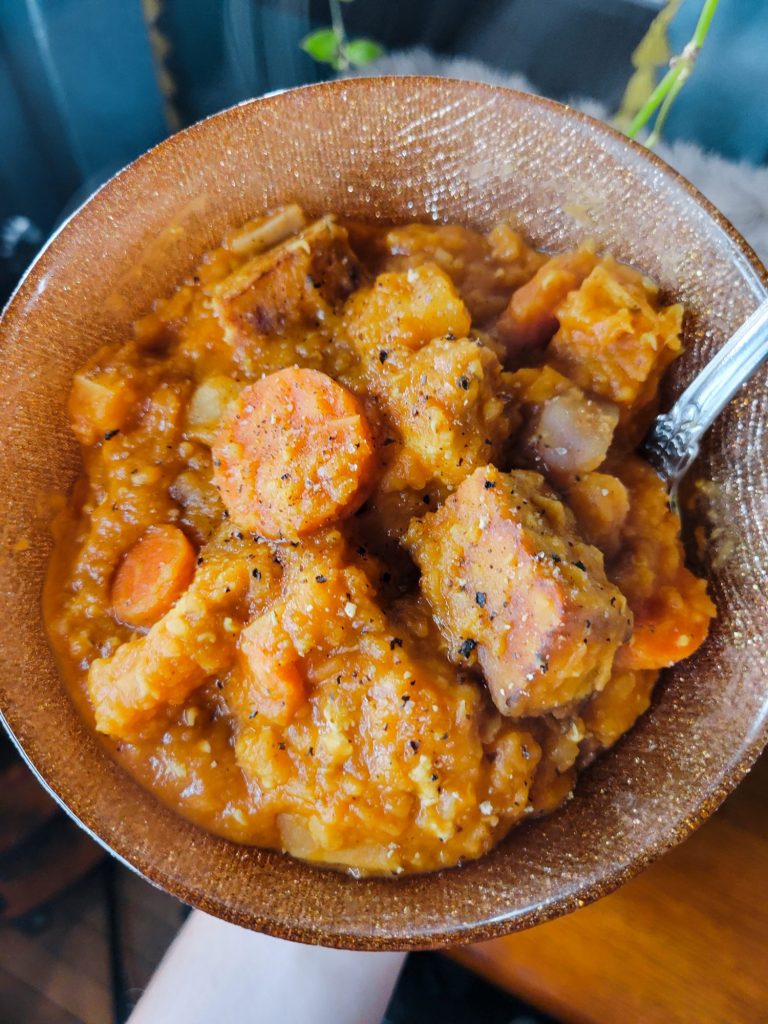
[
  {"x": 102, "y": 402},
  {"x": 209, "y": 406},
  {"x": 600, "y": 503},
  {"x": 613, "y": 341},
  {"x": 610, "y": 713},
  {"x": 263, "y": 232},
  {"x": 485, "y": 270},
  {"x": 451, "y": 406},
  {"x": 300, "y": 282},
  {"x": 515, "y": 587},
  {"x": 402, "y": 312}
]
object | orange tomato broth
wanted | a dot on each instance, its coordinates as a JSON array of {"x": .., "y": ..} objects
[{"x": 361, "y": 565}]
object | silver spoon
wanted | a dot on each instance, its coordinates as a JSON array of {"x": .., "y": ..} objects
[{"x": 672, "y": 443}]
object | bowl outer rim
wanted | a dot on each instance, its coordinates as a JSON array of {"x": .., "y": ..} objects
[{"x": 580, "y": 895}]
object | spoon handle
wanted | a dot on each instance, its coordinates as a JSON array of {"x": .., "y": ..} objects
[{"x": 673, "y": 441}]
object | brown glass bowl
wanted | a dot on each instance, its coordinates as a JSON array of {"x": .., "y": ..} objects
[{"x": 393, "y": 149}]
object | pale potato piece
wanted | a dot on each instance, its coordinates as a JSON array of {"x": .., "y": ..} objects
[
  {"x": 264, "y": 232},
  {"x": 403, "y": 311},
  {"x": 209, "y": 406},
  {"x": 564, "y": 432},
  {"x": 100, "y": 403},
  {"x": 613, "y": 341},
  {"x": 451, "y": 407},
  {"x": 571, "y": 433}
]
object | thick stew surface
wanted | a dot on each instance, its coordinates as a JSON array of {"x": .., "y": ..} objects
[{"x": 361, "y": 565}]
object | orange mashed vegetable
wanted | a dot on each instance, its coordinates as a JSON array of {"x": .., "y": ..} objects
[{"x": 361, "y": 565}]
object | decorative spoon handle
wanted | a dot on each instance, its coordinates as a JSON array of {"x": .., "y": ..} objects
[{"x": 672, "y": 443}]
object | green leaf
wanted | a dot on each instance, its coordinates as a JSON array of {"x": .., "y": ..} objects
[
  {"x": 322, "y": 45},
  {"x": 362, "y": 51}
]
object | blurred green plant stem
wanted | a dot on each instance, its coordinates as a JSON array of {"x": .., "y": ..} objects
[
  {"x": 331, "y": 45},
  {"x": 680, "y": 67}
]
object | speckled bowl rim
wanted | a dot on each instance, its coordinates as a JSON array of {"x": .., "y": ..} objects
[{"x": 547, "y": 910}]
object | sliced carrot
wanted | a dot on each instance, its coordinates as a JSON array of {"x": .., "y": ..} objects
[
  {"x": 669, "y": 627},
  {"x": 296, "y": 455},
  {"x": 276, "y": 687},
  {"x": 153, "y": 575},
  {"x": 530, "y": 319}
]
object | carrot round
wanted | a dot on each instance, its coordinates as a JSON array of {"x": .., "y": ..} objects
[
  {"x": 152, "y": 575},
  {"x": 660, "y": 640},
  {"x": 277, "y": 689},
  {"x": 296, "y": 455},
  {"x": 669, "y": 626}
]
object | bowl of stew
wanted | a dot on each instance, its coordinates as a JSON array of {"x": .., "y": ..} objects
[{"x": 338, "y": 599}]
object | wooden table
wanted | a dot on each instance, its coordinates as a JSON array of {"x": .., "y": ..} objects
[{"x": 686, "y": 941}]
